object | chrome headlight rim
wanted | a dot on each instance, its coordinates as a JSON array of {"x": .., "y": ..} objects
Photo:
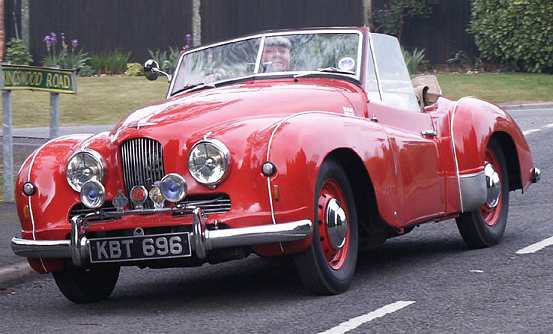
[
  {"x": 222, "y": 148},
  {"x": 96, "y": 156},
  {"x": 101, "y": 196}
]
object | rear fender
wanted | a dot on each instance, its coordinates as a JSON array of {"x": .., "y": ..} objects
[{"x": 473, "y": 124}]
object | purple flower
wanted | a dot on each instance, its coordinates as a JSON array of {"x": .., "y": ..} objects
[
  {"x": 75, "y": 43},
  {"x": 187, "y": 38},
  {"x": 48, "y": 40},
  {"x": 53, "y": 38}
]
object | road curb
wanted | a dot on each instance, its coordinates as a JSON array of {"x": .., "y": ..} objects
[
  {"x": 15, "y": 273},
  {"x": 523, "y": 106}
]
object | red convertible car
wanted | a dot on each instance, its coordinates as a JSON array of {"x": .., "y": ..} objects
[{"x": 307, "y": 143}]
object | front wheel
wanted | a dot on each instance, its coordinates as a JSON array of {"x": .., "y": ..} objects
[
  {"x": 83, "y": 286},
  {"x": 328, "y": 266},
  {"x": 484, "y": 227}
]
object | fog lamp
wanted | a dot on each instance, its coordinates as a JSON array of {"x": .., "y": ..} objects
[
  {"x": 173, "y": 187},
  {"x": 92, "y": 194},
  {"x": 138, "y": 196},
  {"x": 157, "y": 196}
]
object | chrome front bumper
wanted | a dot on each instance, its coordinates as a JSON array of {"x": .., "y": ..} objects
[{"x": 201, "y": 239}]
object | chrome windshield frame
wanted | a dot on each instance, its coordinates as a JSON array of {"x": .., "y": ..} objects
[{"x": 262, "y": 37}]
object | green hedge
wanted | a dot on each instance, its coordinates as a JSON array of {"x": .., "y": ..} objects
[{"x": 517, "y": 33}]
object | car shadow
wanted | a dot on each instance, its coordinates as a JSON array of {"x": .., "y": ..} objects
[{"x": 256, "y": 280}]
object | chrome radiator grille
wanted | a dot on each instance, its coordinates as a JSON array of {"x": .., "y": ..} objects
[{"x": 142, "y": 162}]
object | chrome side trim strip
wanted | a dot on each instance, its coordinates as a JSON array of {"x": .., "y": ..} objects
[
  {"x": 29, "y": 180},
  {"x": 452, "y": 120}
]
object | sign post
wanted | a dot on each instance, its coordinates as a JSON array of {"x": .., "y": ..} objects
[{"x": 18, "y": 77}]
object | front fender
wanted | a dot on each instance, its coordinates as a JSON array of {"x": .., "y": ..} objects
[
  {"x": 45, "y": 168},
  {"x": 474, "y": 123},
  {"x": 298, "y": 147}
]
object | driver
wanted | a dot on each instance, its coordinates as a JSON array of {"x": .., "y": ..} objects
[{"x": 276, "y": 54}]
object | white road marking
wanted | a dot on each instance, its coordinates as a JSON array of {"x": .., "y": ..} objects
[
  {"x": 527, "y": 132},
  {"x": 550, "y": 125},
  {"x": 476, "y": 271},
  {"x": 536, "y": 247},
  {"x": 358, "y": 321}
]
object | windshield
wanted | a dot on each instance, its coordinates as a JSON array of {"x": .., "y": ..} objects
[{"x": 286, "y": 53}]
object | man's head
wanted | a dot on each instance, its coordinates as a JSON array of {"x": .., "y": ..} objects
[{"x": 277, "y": 53}]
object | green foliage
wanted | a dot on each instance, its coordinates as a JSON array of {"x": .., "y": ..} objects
[
  {"x": 391, "y": 19},
  {"x": 135, "y": 70},
  {"x": 17, "y": 53},
  {"x": 167, "y": 59},
  {"x": 414, "y": 59},
  {"x": 110, "y": 63},
  {"x": 516, "y": 33},
  {"x": 65, "y": 54},
  {"x": 465, "y": 62}
]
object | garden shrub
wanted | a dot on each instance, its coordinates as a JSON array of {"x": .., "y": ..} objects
[
  {"x": 414, "y": 60},
  {"x": 516, "y": 33},
  {"x": 167, "y": 59},
  {"x": 110, "y": 63},
  {"x": 66, "y": 55},
  {"x": 135, "y": 69},
  {"x": 17, "y": 53}
]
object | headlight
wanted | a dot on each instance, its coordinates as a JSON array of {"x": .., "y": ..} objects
[
  {"x": 93, "y": 194},
  {"x": 208, "y": 162},
  {"x": 84, "y": 166}
]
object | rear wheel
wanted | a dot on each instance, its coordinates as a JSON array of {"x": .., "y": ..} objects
[
  {"x": 90, "y": 285},
  {"x": 328, "y": 266},
  {"x": 485, "y": 226}
]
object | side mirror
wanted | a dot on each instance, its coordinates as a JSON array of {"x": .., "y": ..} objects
[{"x": 152, "y": 70}]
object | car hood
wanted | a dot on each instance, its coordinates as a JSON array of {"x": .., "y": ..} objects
[{"x": 218, "y": 108}]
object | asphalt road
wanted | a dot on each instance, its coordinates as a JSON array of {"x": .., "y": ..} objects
[{"x": 454, "y": 290}]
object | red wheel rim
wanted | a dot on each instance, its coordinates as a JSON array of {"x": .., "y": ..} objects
[
  {"x": 491, "y": 215},
  {"x": 334, "y": 257}
]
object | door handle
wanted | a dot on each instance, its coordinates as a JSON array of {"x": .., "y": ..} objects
[{"x": 429, "y": 133}]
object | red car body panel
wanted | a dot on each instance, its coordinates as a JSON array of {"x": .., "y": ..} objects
[{"x": 296, "y": 124}]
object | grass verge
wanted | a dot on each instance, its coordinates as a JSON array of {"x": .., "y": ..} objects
[
  {"x": 105, "y": 100},
  {"x": 498, "y": 87},
  {"x": 100, "y": 100}
]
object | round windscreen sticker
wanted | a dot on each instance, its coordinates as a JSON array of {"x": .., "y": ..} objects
[{"x": 346, "y": 64}]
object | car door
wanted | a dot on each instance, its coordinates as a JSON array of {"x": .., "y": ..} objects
[{"x": 411, "y": 134}]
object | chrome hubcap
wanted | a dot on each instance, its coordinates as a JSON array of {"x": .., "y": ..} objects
[
  {"x": 493, "y": 185},
  {"x": 336, "y": 224}
]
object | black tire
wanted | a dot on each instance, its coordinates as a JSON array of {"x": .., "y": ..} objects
[
  {"x": 472, "y": 226},
  {"x": 83, "y": 286},
  {"x": 314, "y": 270}
]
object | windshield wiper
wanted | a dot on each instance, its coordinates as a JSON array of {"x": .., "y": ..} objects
[
  {"x": 324, "y": 70},
  {"x": 193, "y": 87}
]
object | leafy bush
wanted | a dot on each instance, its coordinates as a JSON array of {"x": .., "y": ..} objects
[
  {"x": 466, "y": 62},
  {"x": 516, "y": 33},
  {"x": 414, "y": 59},
  {"x": 110, "y": 63},
  {"x": 135, "y": 69},
  {"x": 63, "y": 55},
  {"x": 17, "y": 53},
  {"x": 392, "y": 18},
  {"x": 167, "y": 59}
]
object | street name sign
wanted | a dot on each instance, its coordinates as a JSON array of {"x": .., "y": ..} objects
[
  {"x": 45, "y": 79},
  {"x": 53, "y": 80}
]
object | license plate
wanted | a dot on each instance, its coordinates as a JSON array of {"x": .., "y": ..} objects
[{"x": 137, "y": 248}]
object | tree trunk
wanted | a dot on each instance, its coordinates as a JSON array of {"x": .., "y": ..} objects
[
  {"x": 196, "y": 23},
  {"x": 25, "y": 22},
  {"x": 367, "y": 13},
  {"x": 2, "y": 31}
]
